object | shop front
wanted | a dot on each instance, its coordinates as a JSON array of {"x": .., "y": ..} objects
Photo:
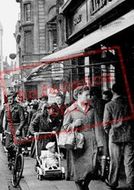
[
  {"x": 96, "y": 58},
  {"x": 100, "y": 46}
]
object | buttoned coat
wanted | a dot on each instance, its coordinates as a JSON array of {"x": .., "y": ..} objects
[
  {"x": 116, "y": 120},
  {"x": 15, "y": 117},
  {"x": 41, "y": 124},
  {"x": 83, "y": 162},
  {"x": 14, "y": 120}
]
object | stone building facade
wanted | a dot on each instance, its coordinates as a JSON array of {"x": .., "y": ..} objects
[
  {"x": 66, "y": 27},
  {"x": 35, "y": 37},
  {"x": 97, "y": 25},
  {"x": 1, "y": 62}
]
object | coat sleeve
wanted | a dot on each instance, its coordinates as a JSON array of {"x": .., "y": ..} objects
[
  {"x": 34, "y": 123},
  {"x": 1, "y": 120},
  {"x": 29, "y": 117},
  {"x": 22, "y": 118},
  {"x": 68, "y": 121},
  {"x": 99, "y": 130},
  {"x": 107, "y": 118}
]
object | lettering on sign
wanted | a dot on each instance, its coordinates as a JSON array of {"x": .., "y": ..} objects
[
  {"x": 96, "y": 5},
  {"x": 77, "y": 20}
]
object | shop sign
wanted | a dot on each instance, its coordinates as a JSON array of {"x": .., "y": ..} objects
[
  {"x": 79, "y": 18},
  {"x": 57, "y": 71},
  {"x": 96, "y": 5}
]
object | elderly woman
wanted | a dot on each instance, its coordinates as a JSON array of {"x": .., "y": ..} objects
[{"x": 80, "y": 115}]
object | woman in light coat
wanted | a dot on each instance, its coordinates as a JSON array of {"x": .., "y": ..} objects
[{"x": 80, "y": 115}]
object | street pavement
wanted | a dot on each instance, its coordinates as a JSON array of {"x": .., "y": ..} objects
[
  {"x": 30, "y": 181},
  {"x": 5, "y": 174}
]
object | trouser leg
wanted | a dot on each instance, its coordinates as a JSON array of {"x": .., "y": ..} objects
[
  {"x": 79, "y": 185},
  {"x": 69, "y": 162},
  {"x": 129, "y": 163},
  {"x": 9, "y": 141},
  {"x": 86, "y": 183},
  {"x": 68, "y": 165},
  {"x": 82, "y": 185},
  {"x": 115, "y": 159}
]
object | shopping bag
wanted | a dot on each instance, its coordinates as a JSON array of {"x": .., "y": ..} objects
[
  {"x": 62, "y": 139},
  {"x": 71, "y": 140},
  {"x": 79, "y": 140},
  {"x": 66, "y": 139}
]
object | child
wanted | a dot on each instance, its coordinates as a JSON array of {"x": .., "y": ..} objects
[{"x": 49, "y": 157}]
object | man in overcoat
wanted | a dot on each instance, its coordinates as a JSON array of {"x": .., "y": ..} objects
[{"x": 118, "y": 124}]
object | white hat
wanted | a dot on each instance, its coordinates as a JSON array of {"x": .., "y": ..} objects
[{"x": 50, "y": 144}]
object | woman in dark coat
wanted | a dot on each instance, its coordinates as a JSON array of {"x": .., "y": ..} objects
[
  {"x": 41, "y": 124},
  {"x": 80, "y": 115}
]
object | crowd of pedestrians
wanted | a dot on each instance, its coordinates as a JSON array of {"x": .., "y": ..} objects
[{"x": 102, "y": 118}]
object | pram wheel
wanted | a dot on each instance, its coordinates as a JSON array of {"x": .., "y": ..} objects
[
  {"x": 35, "y": 168},
  {"x": 39, "y": 177},
  {"x": 63, "y": 175},
  {"x": 9, "y": 166},
  {"x": 18, "y": 170}
]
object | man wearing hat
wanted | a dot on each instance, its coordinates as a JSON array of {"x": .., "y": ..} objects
[{"x": 15, "y": 119}]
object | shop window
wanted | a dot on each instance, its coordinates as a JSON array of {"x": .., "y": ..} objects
[
  {"x": 81, "y": 69},
  {"x": 107, "y": 76},
  {"x": 27, "y": 12},
  {"x": 78, "y": 72},
  {"x": 54, "y": 33},
  {"x": 28, "y": 39}
]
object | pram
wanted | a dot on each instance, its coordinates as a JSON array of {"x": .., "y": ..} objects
[{"x": 40, "y": 141}]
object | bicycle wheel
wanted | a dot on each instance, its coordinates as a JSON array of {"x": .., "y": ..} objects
[{"x": 18, "y": 170}]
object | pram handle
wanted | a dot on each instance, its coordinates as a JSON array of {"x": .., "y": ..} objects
[{"x": 43, "y": 133}]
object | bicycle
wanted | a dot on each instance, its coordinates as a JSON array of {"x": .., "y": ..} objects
[
  {"x": 18, "y": 166},
  {"x": 15, "y": 160}
]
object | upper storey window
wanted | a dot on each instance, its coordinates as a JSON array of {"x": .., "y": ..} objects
[{"x": 27, "y": 11}]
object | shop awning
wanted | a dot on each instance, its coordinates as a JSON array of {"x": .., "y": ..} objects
[
  {"x": 35, "y": 71},
  {"x": 80, "y": 46}
]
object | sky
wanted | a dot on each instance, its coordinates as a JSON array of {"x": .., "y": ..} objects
[{"x": 9, "y": 14}]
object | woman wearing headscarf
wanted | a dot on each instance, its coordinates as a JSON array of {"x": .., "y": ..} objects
[{"x": 80, "y": 116}]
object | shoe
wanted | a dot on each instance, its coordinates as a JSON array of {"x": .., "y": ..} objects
[
  {"x": 67, "y": 178},
  {"x": 131, "y": 188},
  {"x": 110, "y": 187},
  {"x": 26, "y": 153}
]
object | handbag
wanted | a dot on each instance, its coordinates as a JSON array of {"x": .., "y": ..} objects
[
  {"x": 62, "y": 139},
  {"x": 71, "y": 140},
  {"x": 66, "y": 139},
  {"x": 79, "y": 140}
]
